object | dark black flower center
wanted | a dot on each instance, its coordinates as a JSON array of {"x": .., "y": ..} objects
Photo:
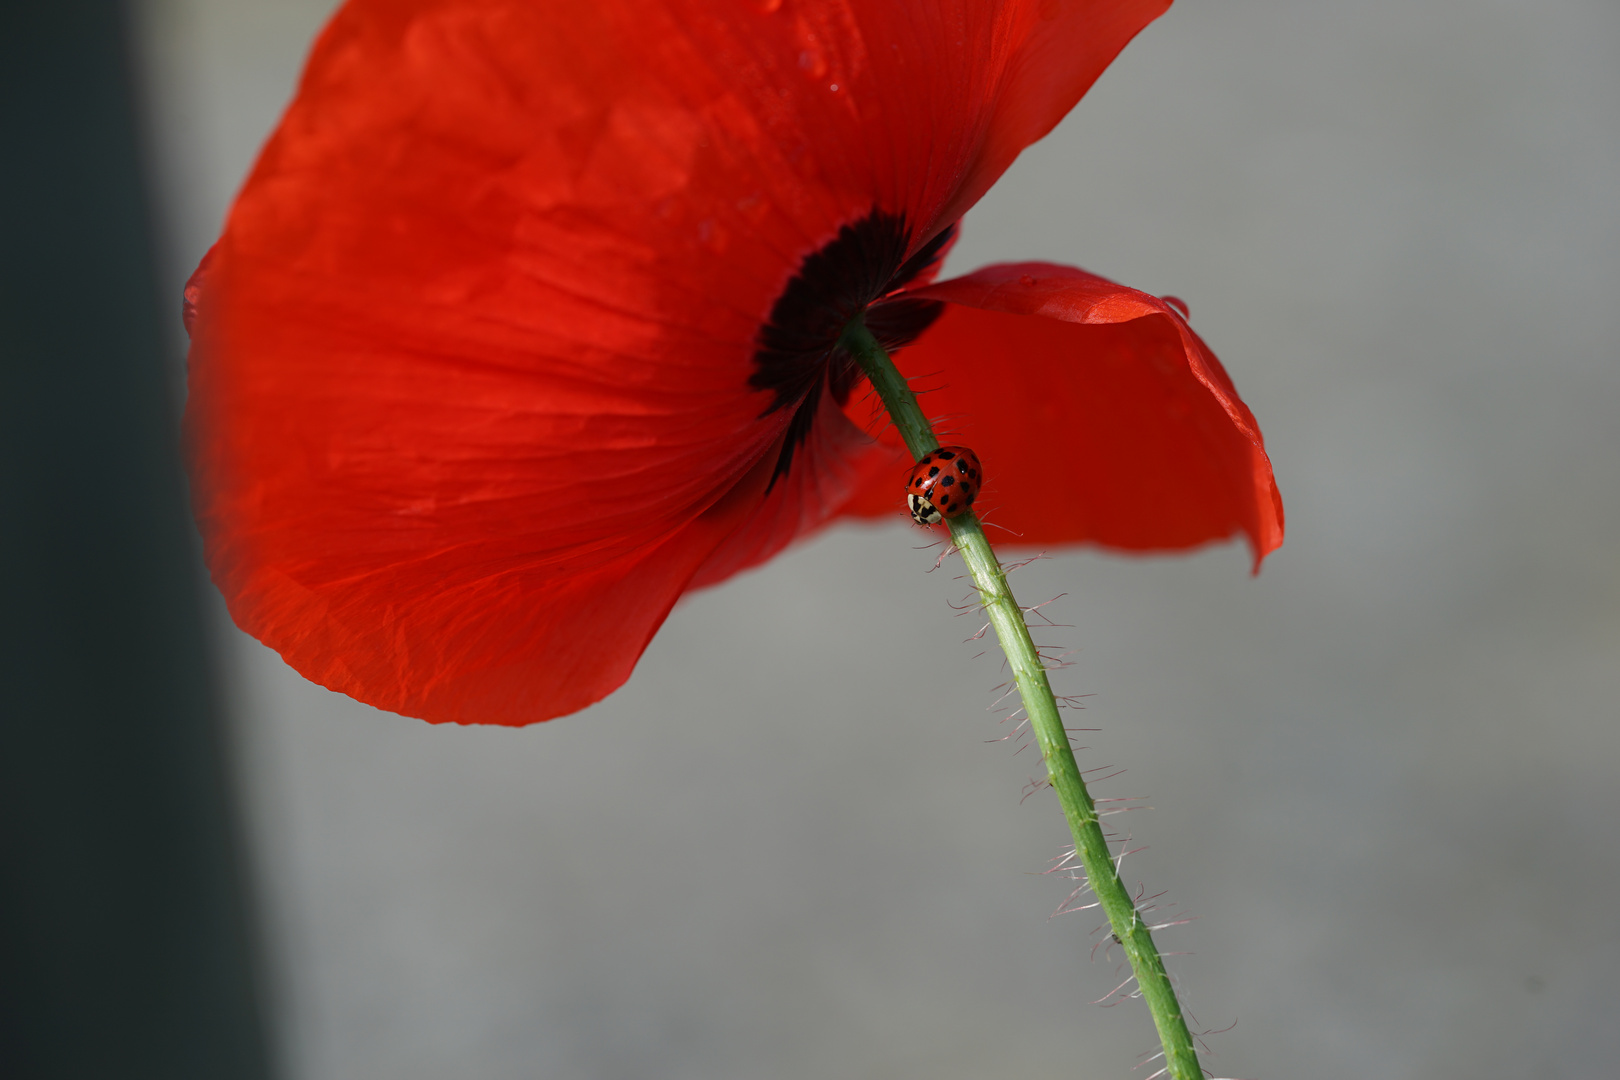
[{"x": 851, "y": 275}]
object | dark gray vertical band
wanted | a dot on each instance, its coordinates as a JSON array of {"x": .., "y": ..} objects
[{"x": 125, "y": 948}]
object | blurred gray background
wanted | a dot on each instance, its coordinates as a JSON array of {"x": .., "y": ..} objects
[{"x": 1383, "y": 773}]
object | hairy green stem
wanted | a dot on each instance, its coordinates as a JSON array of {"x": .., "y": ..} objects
[{"x": 1181, "y": 1060}]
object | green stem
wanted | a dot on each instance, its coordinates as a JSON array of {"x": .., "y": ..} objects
[{"x": 1062, "y": 773}]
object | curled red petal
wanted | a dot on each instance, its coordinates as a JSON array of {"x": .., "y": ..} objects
[{"x": 1098, "y": 413}]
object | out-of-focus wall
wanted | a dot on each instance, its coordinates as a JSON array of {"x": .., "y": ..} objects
[{"x": 1383, "y": 773}]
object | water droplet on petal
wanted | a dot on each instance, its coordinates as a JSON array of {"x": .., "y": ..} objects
[{"x": 1026, "y": 281}]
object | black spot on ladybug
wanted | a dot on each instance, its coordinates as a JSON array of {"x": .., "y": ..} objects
[
  {"x": 948, "y": 481},
  {"x": 944, "y": 455},
  {"x": 934, "y": 471}
]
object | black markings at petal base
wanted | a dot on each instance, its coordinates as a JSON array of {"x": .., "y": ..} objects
[{"x": 798, "y": 345}]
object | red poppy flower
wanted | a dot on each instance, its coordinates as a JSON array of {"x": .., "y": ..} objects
[{"x": 526, "y": 322}]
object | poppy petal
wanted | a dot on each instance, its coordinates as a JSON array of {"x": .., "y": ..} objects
[{"x": 1098, "y": 413}]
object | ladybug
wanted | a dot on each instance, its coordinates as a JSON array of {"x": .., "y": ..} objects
[{"x": 942, "y": 484}]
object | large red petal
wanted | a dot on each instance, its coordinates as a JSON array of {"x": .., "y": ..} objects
[
  {"x": 1098, "y": 413},
  {"x": 472, "y": 356},
  {"x": 387, "y": 519}
]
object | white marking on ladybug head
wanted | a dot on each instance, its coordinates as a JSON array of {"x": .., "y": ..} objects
[{"x": 923, "y": 511}]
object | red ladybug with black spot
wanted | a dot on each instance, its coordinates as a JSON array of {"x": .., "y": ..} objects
[{"x": 943, "y": 484}]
